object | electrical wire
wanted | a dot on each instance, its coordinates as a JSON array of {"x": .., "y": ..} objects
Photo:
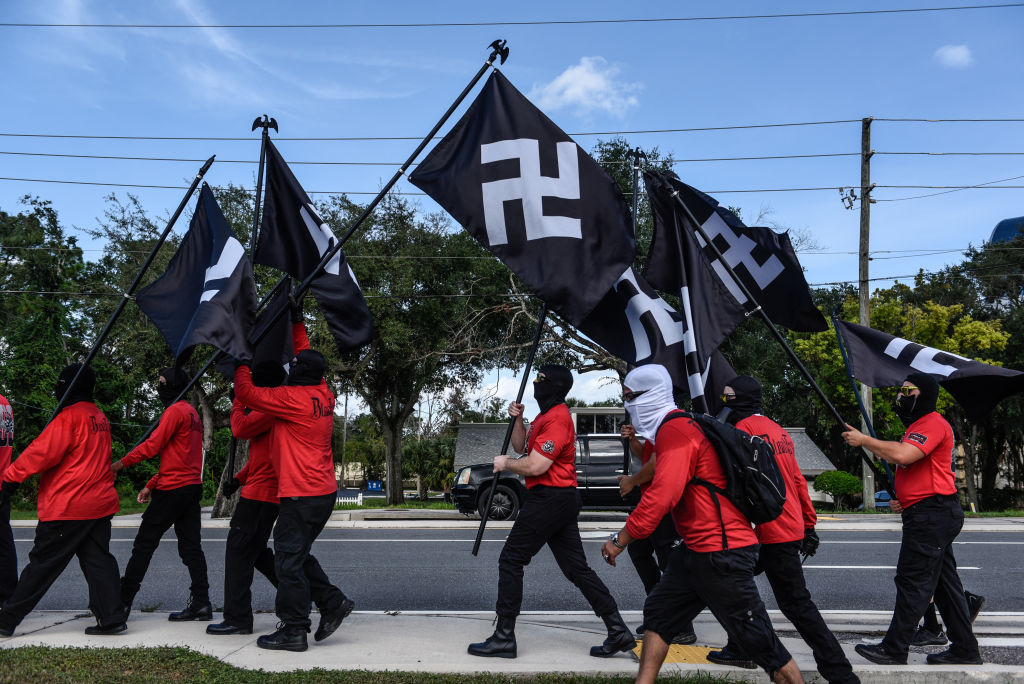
[
  {"x": 547, "y": 22},
  {"x": 987, "y": 185}
]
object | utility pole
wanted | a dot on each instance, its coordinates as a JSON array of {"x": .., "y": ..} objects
[{"x": 864, "y": 286}]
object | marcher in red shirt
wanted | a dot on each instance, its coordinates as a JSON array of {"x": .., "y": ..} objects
[
  {"x": 8, "y": 552},
  {"x": 783, "y": 540},
  {"x": 300, "y": 440},
  {"x": 932, "y": 519},
  {"x": 548, "y": 516},
  {"x": 76, "y": 501},
  {"x": 650, "y": 556},
  {"x": 706, "y": 569},
  {"x": 174, "y": 496}
]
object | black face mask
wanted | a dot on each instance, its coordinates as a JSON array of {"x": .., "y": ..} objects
[
  {"x": 747, "y": 401},
  {"x": 308, "y": 368},
  {"x": 173, "y": 385},
  {"x": 910, "y": 409},
  {"x": 552, "y": 390},
  {"x": 82, "y": 391}
]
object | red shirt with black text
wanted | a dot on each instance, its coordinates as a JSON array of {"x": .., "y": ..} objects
[
  {"x": 300, "y": 439},
  {"x": 72, "y": 454},
  {"x": 932, "y": 474},
  {"x": 684, "y": 453},
  {"x": 798, "y": 512},
  {"x": 552, "y": 435},
  {"x": 258, "y": 477},
  {"x": 178, "y": 439}
]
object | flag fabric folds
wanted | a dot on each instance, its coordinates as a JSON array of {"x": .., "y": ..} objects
[
  {"x": 528, "y": 193},
  {"x": 676, "y": 264},
  {"x": 293, "y": 238},
  {"x": 882, "y": 360},
  {"x": 275, "y": 345},
  {"x": 763, "y": 259},
  {"x": 207, "y": 294}
]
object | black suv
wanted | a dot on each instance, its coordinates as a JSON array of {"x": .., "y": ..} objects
[{"x": 599, "y": 461}]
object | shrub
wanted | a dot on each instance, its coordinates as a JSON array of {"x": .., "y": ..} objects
[{"x": 838, "y": 484}]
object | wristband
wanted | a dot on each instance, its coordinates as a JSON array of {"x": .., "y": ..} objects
[{"x": 615, "y": 541}]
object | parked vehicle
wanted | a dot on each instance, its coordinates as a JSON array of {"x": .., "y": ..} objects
[{"x": 599, "y": 461}]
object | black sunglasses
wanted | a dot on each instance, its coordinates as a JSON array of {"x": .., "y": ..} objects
[{"x": 630, "y": 396}]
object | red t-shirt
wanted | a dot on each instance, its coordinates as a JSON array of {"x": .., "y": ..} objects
[
  {"x": 552, "y": 435},
  {"x": 6, "y": 435},
  {"x": 300, "y": 439},
  {"x": 258, "y": 477},
  {"x": 178, "y": 439},
  {"x": 932, "y": 474},
  {"x": 72, "y": 454},
  {"x": 684, "y": 453},
  {"x": 798, "y": 511}
]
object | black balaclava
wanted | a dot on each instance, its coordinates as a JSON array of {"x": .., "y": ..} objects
[
  {"x": 308, "y": 369},
  {"x": 268, "y": 374},
  {"x": 747, "y": 401},
  {"x": 909, "y": 409},
  {"x": 175, "y": 381},
  {"x": 82, "y": 391},
  {"x": 551, "y": 391}
]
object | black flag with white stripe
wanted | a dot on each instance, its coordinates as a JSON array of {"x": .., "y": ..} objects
[
  {"x": 763, "y": 259},
  {"x": 276, "y": 344},
  {"x": 293, "y": 238},
  {"x": 207, "y": 294},
  {"x": 520, "y": 185},
  {"x": 882, "y": 360},
  {"x": 676, "y": 264}
]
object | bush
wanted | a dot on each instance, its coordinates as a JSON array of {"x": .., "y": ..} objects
[{"x": 838, "y": 484}]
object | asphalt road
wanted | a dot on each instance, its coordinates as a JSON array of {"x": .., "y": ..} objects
[{"x": 434, "y": 570}]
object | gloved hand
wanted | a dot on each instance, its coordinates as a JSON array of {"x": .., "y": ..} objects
[
  {"x": 7, "y": 490},
  {"x": 231, "y": 486},
  {"x": 809, "y": 546},
  {"x": 295, "y": 305}
]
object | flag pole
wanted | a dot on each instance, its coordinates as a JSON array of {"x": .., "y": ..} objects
[
  {"x": 637, "y": 153},
  {"x": 266, "y": 123},
  {"x": 775, "y": 332},
  {"x": 511, "y": 424},
  {"x": 135, "y": 284},
  {"x": 853, "y": 384}
]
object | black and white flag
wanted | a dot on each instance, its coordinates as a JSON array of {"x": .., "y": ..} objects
[
  {"x": 763, "y": 259},
  {"x": 276, "y": 344},
  {"x": 293, "y": 238},
  {"x": 632, "y": 322},
  {"x": 882, "y": 360},
  {"x": 528, "y": 193},
  {"x": 207, "y": 294},
  {"x": 676, "y": 264}
]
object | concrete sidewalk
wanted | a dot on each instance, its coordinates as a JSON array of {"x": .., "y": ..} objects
[
  {"x": 413, "y": 518},
  {"x": 436, "y": 642}
]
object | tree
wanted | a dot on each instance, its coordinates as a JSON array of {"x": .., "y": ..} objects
[
  {"x": 839, "y": 485},
  {"x": 439, "y": 309}
]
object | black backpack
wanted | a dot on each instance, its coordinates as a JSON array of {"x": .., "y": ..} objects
[{"x": 753, "y": 480}]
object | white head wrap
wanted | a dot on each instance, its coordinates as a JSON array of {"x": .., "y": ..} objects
[{"x": 648, "y": 409}]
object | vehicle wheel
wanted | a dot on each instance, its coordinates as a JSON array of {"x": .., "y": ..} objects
[{"x": 504, "y": 506}]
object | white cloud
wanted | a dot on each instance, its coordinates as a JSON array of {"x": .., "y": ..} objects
[
  {"x": 954, "y": 56},
  {"x": 588, "y": 86}
]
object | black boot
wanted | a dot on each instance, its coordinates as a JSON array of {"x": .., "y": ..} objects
[
  {"x": 286, "y": 638},
  {"x": 195, "y": 610},
  {"x": 620, "y": 638},
  {"x": 501, "y": 644}
]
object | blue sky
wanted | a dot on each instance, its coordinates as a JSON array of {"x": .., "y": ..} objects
[{"x": 396, "y": 82}]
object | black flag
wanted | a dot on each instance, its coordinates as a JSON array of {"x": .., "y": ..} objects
[
  {"x": 676, "y": 264},
  {"x": 632, "y": 322},
  {"x": 207, "y": 294},
  {"x": 275, "y": 345},
  {"x": 293, "y": 238},
  {"x": 882, "y": 360},
  {"x": 763, "y": 259},
  {"x": 528, "y": 193}
]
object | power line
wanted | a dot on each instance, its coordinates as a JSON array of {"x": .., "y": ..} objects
[
  {"x": 253, "y": 162},
  {"x": 413, "y": 137},
  {"x": 954, "y": 154},
  {"x": 908, "y": 120},
  {"x": 60, "y": 293},
  {"x": 983, "y": 186},
  {"x": 548, "y": 22}
]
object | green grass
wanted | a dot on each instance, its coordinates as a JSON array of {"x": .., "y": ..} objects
[
  {"x": 128, "y": 505},
  {"x": 432, "y": 504},
  {"x": 43, "y": 664}
]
